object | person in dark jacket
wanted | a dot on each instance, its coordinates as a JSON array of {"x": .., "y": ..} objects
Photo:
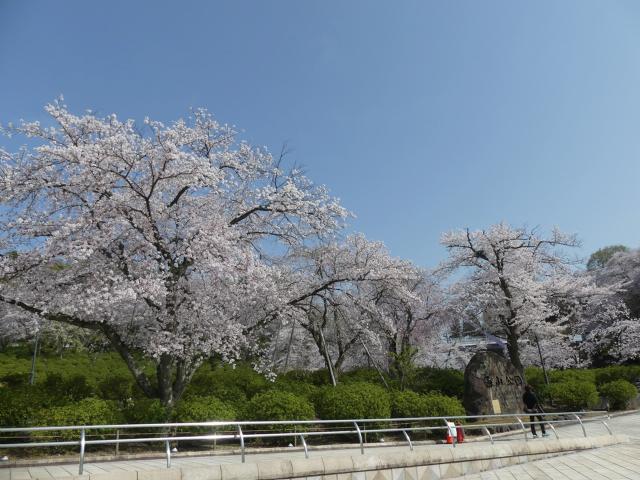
[{"x": 532, "y": 405}]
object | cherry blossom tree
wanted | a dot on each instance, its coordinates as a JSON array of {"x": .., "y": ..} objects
[
  {"x": 342, "y": 284},
  {"x": 622, "y": 271},
  {"x": 514, "y": 278},
  {"x": 164, "y": 238}
]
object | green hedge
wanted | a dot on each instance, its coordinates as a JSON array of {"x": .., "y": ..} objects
[
  {"x": 412, "y": 404},
  {"x": 630, "y": 373},
  {"x": 88, "y": 411},
  {"x": 619, "y": 393},
  {"x": 574, "y": 394},
  {"x": 278, "y": 405},
  {"x": 446, "y": 381},
  {"x": 203, "y": 409},
  {"x": 145, "y": 410},
  {"x": 352, "y": 400}
]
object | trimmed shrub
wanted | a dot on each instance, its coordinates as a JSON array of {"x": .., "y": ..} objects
[
  {"x": 407, "y": 404},
  {"x": 367, "y": 375},
  {"x": 89, "y": 411},
  {"x": 619, "y": 393},
  {"x": 446, "y": 381},
  {"x": 442, "y": 405},
  {"x": 72, "y": 389},
  {"x": 279, "y": 405},
  {"x": 241, "y": 376},
  {"x": 301, "y": 389},
  {"x": 353, "y": 400},
  {"x": 573, "y": 374},
  {"x": 203, "y": 409},
  {"x": 206, "y": 384},
  {"x": 18, "y": 406},
  {"x": 145, "y": 410},
  {"x": 13, "y": 380},
  {"x": 630, "y": 373},
  {"x": 116, "y": 387},
  {"x": 574, "y": 394}
]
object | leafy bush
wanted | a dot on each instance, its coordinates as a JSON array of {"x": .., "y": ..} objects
[
  {"x": 73, "y": 388},
  {"x": 320, "y": 377},
  {"x": 116, "y": 387},
  {"x": 446, "y": 381},
  {"x": 630, "y": 373},
  {"x": 241, "y": 376},
  {"x": 206, "y": 383},
  {"x": 407, "y": 404},
  {"x": 18, "y": 406},
  {"x": 572, "y": 374},
  {"x": 367, "y": 375},
  {"x": 302, "y": 389},
  {"x": 534, "y": 376},
  {"x": 442, "y": 405},
  {"x": 574, "y": 394},
  {"x": 203, "y": 409},
  {"x": 619, "y": 393},
  {"x": 13, "y": 380},
  {"x": 279, "y": 405},
  {"x": 145, "y": 410},
  {"x": 353, "y": 400},
  {"x": 89, "y": 411}
]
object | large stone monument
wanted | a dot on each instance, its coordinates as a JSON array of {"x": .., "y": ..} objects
[{"x": 492, "y": 385}]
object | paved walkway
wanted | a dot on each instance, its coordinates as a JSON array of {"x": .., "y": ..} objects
[
  {"x": 629, "y": 425},
  {"x": 620, "y": 462}
]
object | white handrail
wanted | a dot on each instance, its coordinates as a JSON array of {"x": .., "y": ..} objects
[{"x": 243, "y": 435}]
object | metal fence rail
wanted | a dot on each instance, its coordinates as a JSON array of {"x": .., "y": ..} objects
[{"x": 354, "y": 427}]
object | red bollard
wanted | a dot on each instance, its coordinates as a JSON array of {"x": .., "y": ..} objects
[{"x": 459, "y": 433}]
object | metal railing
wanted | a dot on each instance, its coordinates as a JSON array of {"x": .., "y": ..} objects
[{"x": 302, "y": 430}]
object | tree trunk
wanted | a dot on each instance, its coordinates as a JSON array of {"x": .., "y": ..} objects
[{"x": 514, "y": 351}]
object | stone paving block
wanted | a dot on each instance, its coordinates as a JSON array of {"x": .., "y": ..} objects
[
  {"x": 307, "y": 467},
  {"x": 465, "y": 452},
  {"x": 275, "y": 469},
  {"x": 379, "y": 475},
  {"x": 239, "y": 471},
  {"x": 411, "y": 473},
  {"x": 450, "y": 470},
  {"x": 366, "y": 462},
  {"x": 115, "y": 475},
  {"x": 164, "y": 474},
  {"x": 441, "y": 455},
  {"x": 428, "y": 472},
  {"x": 358, "y": 476},
  {"x": 474, "y": 466},
  {"x": 213, "y": 472},
  {"x": 491, "y": 464},
  {"x": 396, "y": 460},
  {"x": 333, "y": 465}
]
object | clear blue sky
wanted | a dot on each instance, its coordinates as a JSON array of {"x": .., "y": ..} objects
[{"x": 421, "y": 116}]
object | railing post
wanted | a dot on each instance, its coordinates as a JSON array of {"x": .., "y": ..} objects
[
  {"x": 168, "y": 451},
  {"x": 241, "y": 443},
  {"x": 82, "y": 445},
  {"x": 524, "y": 430},
  {"x": 606, "y": 425},
  {"x": 584, "y": 431},
  {"x": 304, "y": 444},
  {"x": 359, "y": 437},
  {"x": 406, "y": 435},
  {"x": 554, "y": 430},
  {"x": 117, "y": 442},
  {"x": 488, "y": 434}
]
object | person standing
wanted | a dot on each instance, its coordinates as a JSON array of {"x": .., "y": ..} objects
[{"x": 532, "y": 406}]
